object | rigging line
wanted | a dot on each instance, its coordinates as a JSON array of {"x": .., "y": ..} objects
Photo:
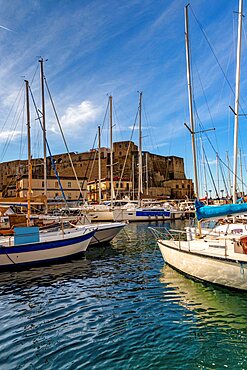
[
  {"x": 17, "y": 97},
  {"x": 223, "y": 177},
  {"x": 244, "y": 31},
  {"x": 224, "y": 164},
  {"x": 34, "y": 74},
  {"x": 211, "y": 48},
  {"x": 88, "y": 164},
  {"x": 10, "y": 136},
  {"x": 64, "y": 140},
  {"x": 106, "y": 111},
  {"x": 210, "y": 172},
  {"x": 217, "y": 60},
  {"x": 127, "y": 153},
  {"x": 152, "y": 139},
  {"x": 89, "y": 160},
  {"x": 22, "y": 129},
  {"x": 204, "y": 95},
  {"x": 107, "y": 108},
  {"x": 223, "y": 84},
  {"x": 94, "y": 158},
  {"x": 117, "y": 120},
  {"x": 48, "y": 147}
]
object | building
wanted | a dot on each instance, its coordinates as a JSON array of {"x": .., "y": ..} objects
[
  {"x": 121, "y": 189},
  {"x": 69, "y": 185},
  {"x": 163, "y": 176}
]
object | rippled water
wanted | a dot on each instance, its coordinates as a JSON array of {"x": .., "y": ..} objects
[{"x": 119, "y": 308}]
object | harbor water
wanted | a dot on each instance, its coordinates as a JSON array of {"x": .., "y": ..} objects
[{"x": 119, "y": 307}]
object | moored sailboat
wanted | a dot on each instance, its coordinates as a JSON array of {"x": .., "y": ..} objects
[
  {"x": 215, "y": 258},
  {"x": 30, "y": 246}
]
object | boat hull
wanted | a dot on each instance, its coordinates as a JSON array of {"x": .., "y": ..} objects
[
  {"x": 217, "y": 270},
  {"x": 99, "y": 216},
  {"x": 47, "y": 250},
  {"x": 106, "y": 232}
]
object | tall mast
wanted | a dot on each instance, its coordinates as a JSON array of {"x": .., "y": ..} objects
[
  {"x": 29, "y": 156},
  {"x": 44, "y": 128},
  {"x": 140, "y": 190},
  {"x": 133, "y": 177},
  {"x": 236, "y": 109},
  {"x": 111, "y": 151},
  {"x": 99, "y": 163},
  {"x": 146, "y": 173},
  {"x": 190, "y": 100}
]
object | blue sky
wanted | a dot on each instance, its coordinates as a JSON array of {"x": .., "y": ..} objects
[{"x": 95, "y": 48}]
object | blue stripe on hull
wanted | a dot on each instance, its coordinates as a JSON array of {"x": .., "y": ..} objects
[
  {"x": 45, "y": 245},
  {"x": 153, "y": 213}
]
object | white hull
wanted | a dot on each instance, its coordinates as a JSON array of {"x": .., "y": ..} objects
[
  {"x": 99, "y": 216},
  {"x": 215, "y": 268},
  {"x": 106, "y": 232},
  {"x": 52, "y": 246}
]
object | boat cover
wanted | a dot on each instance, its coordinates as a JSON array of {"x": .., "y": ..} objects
[{"x": 204, "y": 212}]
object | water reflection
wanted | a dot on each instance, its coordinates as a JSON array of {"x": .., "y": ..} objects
[{"x": 212, "y": 305}]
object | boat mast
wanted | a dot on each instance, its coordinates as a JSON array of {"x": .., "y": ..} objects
[
  {"x": 41, "y": 61},
  {"x": 99, "y": 163},
  {"x": 192, "y": 129},
  {"x": 111, "y": 152},
  {"x": 133, "y": 177},
  {"x": 146, "y": 173},
  {"x": 29, "y": 156},
  {"x": 140, "y": 152},
  {"x": 236, "y": 109}
]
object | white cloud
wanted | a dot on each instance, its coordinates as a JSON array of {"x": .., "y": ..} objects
[
  {"x": 77, "y": 117},
  {"x": 9, "y": 135}
]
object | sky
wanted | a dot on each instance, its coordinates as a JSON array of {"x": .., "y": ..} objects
[{"x": 99, "y": 48}]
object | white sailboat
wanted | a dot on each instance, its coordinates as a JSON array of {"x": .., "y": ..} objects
[
  {"x": 132, "y": 212},
  {"x": 212, "y": 257},
  {"x": 105, "y": 232},
  {"x": 28, "y": 245}
]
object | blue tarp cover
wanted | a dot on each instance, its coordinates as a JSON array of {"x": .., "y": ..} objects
[{"x": 203, "y": 212}]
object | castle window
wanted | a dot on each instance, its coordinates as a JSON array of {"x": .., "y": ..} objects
[{"x": 69, "y": 184}]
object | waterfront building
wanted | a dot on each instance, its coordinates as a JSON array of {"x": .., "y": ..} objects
[{"x": 163, "y": 176}]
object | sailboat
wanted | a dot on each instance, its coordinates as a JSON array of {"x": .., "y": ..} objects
[
  {"x": 28, "y": 245},
  {"x": 137, "y": 212},
  {"x": 105, "y": 231},
  {"x": 216, "y": 258}
]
